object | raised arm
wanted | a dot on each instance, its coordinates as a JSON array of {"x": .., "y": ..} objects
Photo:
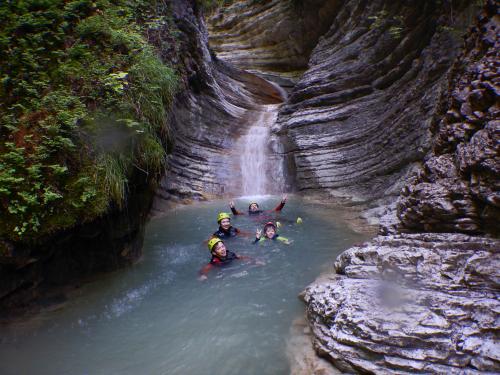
[
  {"x": 280, "y": 206},
  {"x": 234, "y": 210}
]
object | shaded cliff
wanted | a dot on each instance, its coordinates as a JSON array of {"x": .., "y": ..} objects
[{"x": 82, "y": 148}]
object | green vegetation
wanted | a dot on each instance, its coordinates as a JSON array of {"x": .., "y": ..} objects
[
  {"x": 84, "y": 101},
  {"x": 396, "y": 23},
  {"x": 211, "y": 5}
]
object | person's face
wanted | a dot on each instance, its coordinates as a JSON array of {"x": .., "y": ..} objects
[
  {"x": 254, "y": 207},
  {"x": 270, "y": 232},
  {"x": 220, "y": 249},
  {"x": 225, "y": 223}
]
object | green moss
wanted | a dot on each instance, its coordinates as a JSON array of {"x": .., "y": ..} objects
[
  {"x": 84, "y": 101},
  {"x": 211, "y": 5}
]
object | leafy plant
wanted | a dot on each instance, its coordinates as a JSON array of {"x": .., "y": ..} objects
[{"x": 67, "y": 69}]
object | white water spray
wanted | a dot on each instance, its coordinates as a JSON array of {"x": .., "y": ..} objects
[{"x": 254, "y": 157}]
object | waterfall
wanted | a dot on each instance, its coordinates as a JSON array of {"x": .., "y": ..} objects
[{"x": 255, "y": 163}]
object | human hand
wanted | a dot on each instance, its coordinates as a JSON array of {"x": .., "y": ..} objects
[
  {"x": 231, "y": 204},
  {"x": 202, "y": 278},
  {"x": 283, "y": 200},
  {"x": 258, "y": 234}
]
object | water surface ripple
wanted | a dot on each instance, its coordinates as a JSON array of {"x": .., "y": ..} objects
[{"x": 157, "y": 318}]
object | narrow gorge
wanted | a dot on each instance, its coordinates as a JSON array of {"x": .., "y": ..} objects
[{"x": 384, "y": 114}]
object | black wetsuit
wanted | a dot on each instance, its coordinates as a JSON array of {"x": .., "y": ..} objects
[
  {"x": 278, "y": 208},
  {"x": 217, "y": 262},
  {"x": 230, "y": 256},
  {"x": 258, "y": 212},
  {"x": 222, "y": 234}
]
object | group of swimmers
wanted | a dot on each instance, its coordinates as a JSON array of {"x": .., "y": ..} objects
[{"x": 220, "y": 254}]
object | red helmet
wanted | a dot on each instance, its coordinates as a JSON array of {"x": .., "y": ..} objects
[{"x": 269, "y": 224}]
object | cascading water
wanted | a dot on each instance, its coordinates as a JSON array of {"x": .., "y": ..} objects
[{"x": 255, "y": 161}]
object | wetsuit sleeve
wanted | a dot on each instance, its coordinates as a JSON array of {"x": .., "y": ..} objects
[
  {"x": 206, "y": 269},
  {"x": 236, "y": 212},
  {"x": 283, "y": 239},
  {"x": 280, "y": 206}
]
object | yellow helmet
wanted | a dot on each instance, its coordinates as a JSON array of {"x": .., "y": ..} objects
[
  {"x": 223, "y": 215},
  {"x": 212, "y": 242}
]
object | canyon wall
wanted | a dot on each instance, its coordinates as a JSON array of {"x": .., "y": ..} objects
[
  {"x": 272, "y": 38},
  {"x": 218, "y": 105},
  {"x": 394, "y": 112},
  {"x": 358, "y": 119},
  {"x": 424, "y": 297}
]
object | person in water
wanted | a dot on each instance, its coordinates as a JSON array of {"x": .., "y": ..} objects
[
  {"x": 220, "y": 256},
  {"x": 226, "y": 230},
  {"x": 270, "y": 234},
  {"x": 254, "y": 209}
]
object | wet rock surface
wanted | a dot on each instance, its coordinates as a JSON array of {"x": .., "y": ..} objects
[
  {"x": 215, "y": 109},
  {"x": 410, "y": 304},
  {"x": 428, "y": 302}
]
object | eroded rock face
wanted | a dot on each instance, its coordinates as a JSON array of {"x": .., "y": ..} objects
[
  {"x": 410, "y": 303},
  {"x": 214, "y": 110},
  {"x": 429, "y": 302},
  {"x": 359, "y": 118},
  {"x": 272, "y": 37},
  {"x": 458, "y": 188}
]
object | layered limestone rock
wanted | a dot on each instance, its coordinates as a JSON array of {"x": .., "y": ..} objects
[
  {"x": 429, "y": 302},
  {"x": 219, "y": 104},
  {"x": 359, "y": 117},
  {"x": 271, "y": 37},
  {"x": 421, "y": 303}
]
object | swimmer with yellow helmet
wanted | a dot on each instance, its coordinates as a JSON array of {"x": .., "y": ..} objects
[
  {"x": 226, "y": 230},
  {"x": 220, "y": 256}
]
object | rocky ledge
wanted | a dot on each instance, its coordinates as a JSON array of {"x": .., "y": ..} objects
[{"x": 410, "y": 303}]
